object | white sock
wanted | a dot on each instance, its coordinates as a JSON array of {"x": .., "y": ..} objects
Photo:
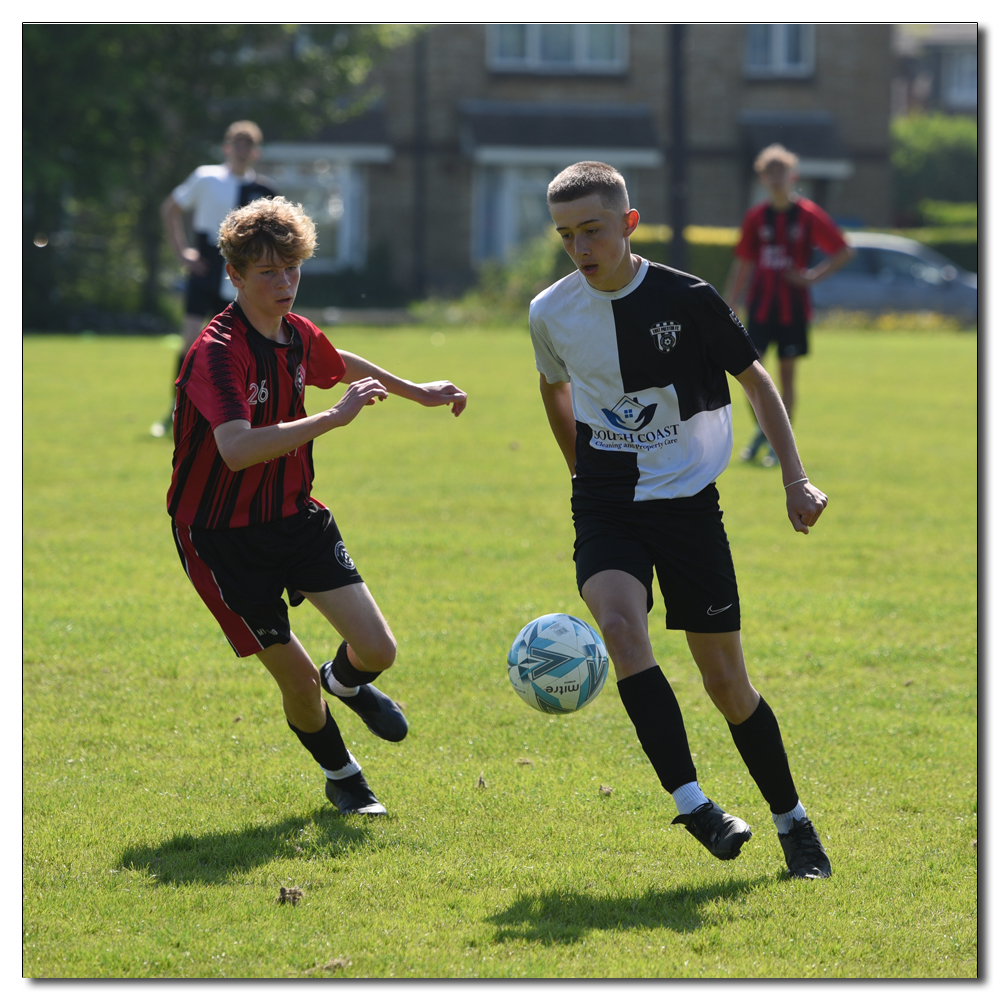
[
  {"x": 783, "y": 821},
  {"x": 688, "y": 797},
  {"x": 351, "y": 767},
  {"x": 342, "y": 690}
]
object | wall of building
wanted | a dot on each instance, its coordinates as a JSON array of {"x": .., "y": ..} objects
[{"x": 852, "y": 80}]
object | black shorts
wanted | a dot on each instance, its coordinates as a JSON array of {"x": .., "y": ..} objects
[
  {"x": 240, "y": 573},
  {"x": 682, "y": 539},
  {"x": 202, "y": 297},
  {"x": 792, "y": 340}
]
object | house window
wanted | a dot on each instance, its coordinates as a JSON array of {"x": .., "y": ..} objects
[
  {"x": 960, "y": 83},
  {"x": 333, "y": 196},
  {"x": 510, "y": 209},
  {"x": 557, "y": 48},
  {"x": 779, "y": 51}
]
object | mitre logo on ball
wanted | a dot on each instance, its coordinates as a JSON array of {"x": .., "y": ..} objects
[{"x": 665, "y": 335}]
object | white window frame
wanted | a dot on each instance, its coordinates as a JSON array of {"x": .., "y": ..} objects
[
  {"x": 496, "y": 190},
  {"x": 777, "y": 66},
  {"x": 341, "y": 167},
  {"x": 581, "y": 63}
]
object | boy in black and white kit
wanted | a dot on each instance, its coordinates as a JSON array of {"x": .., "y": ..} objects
[{"x": 633, "y": 359}]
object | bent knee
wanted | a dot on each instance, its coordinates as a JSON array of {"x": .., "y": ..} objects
[
  {"x": 379, "y": 656},
  {"x": 304, "y": 688},
  {"x": 622, "y": 632}
]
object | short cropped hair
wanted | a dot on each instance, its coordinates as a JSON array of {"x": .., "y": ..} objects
[
  {"x": 266, "y": 225},
  {"x": 775, "y": 153},
  {"x": 244, "y": 130},
  {"x": 586, "y": 178}
]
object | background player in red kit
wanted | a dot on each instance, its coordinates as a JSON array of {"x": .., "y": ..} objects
[
  {"x": 244, "y": 521},
  {"x": 776, "y": 241}
]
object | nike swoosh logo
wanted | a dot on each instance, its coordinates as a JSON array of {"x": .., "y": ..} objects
[{"x": 717, "y": 611}]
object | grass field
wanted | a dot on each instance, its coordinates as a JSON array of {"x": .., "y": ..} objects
[{"x": 166, "y": 801}]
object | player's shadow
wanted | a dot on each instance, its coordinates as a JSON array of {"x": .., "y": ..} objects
[
  {"x": 566, "y": 916},
  {"x": 216, "y": 858}
]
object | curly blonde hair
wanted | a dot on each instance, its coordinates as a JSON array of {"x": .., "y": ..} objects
[{"x": 267, "y": 225}]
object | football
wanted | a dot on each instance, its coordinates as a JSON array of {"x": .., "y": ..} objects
[{"x": 557, "y": 664}]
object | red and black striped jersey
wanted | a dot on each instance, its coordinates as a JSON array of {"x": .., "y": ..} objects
[
  {"x": 776, "y": 241},
  {"x": 232, "y": 372}
]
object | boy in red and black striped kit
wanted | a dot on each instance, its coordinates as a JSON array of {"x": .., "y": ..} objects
[
  {"x": 776, "y": 241},
  {"x": 245, "y": 523}
]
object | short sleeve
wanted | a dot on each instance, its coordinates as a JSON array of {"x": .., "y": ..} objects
[
  {"x": 729, "y": 344},
  {"x": 825, "y": 233},
  {"x": 325, "y": 367},
  {"x": 546, "y": 360},
  {"x": 748, "y": 247},
  {"x": 215, "y": 382},
  {"x": 186, "y": 193}
]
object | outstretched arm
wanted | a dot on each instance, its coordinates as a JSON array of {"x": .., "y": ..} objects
[
  {"x": 557, "y": 398},
  {"x": 241, "y": 445},
  {"x": 804, "y": 502},
  {"x": 425, "y": 393}
]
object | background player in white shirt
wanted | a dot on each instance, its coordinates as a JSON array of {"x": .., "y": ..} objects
[
  {"x": 210, "y": 193},
  {"x": 633, "y": 359}
]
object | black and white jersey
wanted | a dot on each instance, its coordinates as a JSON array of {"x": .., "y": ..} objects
[{"x": 647, "y": 365}]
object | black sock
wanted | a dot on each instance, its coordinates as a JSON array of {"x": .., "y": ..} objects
[
  {"x": 327, "y": 745},
  {"x": 758, "y": 740},
  {"x": 347, "y": 675},
  {"x": 653, "y": 709}
]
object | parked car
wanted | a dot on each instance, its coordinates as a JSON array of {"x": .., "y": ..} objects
[{"x": 895, "y": 274}]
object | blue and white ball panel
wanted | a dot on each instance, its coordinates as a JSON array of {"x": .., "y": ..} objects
[{"x": 557, "y": 664}]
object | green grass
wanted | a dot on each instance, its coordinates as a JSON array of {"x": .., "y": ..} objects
[{"x": 166, "y": 802}]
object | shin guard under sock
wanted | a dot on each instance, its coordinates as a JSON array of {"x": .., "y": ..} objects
[
  {"x": 758, "y": 740},
  {"x": 327, "y": 745},
  {"x": 653, "y": 709}
]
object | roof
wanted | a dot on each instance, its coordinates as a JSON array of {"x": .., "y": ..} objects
[{"x": 910, "y": 39}]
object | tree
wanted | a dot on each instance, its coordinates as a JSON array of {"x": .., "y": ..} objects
[
  {"x": 933, "y": 157},
  {"x": 114, "y": 116}
]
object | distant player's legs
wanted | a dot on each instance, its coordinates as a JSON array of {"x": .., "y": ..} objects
[
  {"x": 618, "y": 602},
  {"x": 193, "y": 325},
  {"x": 787, "y": 375},
  {"x": 719, "y": 656},
  {"x": 761, "y": 338},
  {"x": 368, "y": 649}
]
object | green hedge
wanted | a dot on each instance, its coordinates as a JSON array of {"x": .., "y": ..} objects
[{"x": 710, "y": 251}]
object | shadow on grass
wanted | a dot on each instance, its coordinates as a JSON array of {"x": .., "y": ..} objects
[
  {"x": 565, "y": 917},
  {"x": 216, "y": 858}
]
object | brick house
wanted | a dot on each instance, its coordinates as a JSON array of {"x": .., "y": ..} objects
[
  {"x": 936, "y": 68},
  {"x": 450, "y": 168}
]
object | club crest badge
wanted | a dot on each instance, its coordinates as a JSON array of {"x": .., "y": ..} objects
[
  {"x": 340, "y": 551},
  {"x": 300, "y": 379},
  {"x": 665, "y": 336}
]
